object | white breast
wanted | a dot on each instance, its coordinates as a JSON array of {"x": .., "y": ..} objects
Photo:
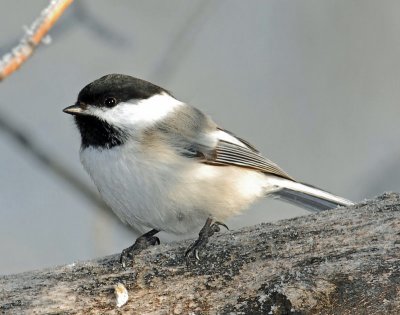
[{"x": 168, "y": 192}]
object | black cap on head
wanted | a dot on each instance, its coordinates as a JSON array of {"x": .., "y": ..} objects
[{"x": 118, "y": 86}]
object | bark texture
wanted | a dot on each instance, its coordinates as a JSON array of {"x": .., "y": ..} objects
[{"x": 342, "y": 261}]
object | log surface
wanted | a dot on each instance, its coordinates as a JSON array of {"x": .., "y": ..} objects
[{"x": 341, "y": 261}]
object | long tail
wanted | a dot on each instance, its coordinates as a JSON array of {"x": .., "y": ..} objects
[{"x": 306, "y": 196}]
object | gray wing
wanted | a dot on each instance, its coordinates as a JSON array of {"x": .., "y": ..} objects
[
  {"x": 197, "y": 136},
  {"x": 232, "y": 150},
  {"x": 227, "y": 153}
]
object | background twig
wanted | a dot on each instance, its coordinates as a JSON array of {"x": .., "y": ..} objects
[{"x": 33, "y": 37}]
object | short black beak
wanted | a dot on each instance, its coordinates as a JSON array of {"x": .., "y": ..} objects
[{"x": 75, "y": 109}]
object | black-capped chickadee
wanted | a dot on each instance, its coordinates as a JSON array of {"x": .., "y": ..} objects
[{"x": 163, "y": 165}]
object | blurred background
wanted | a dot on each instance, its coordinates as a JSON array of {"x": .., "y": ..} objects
[{"x": 313, "y": 84}]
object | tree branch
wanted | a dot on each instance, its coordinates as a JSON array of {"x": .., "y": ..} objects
[
  {"x": 342, "y": 261},
  {"x": 33, "y": 37}
]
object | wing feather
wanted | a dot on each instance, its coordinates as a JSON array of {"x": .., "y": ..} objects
[
  {"x": 230, "y": 153},
  {"x": 227, "y": 149}
]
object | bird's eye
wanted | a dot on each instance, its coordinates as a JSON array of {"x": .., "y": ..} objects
[{"x": 110, "y": 101}]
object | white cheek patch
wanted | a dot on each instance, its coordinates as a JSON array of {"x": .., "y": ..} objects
[{"x": 136, "y": 113}]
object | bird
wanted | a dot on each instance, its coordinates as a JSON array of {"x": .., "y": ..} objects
[{"x": 162, "y": 164}]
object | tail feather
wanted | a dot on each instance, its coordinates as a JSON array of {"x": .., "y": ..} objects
[{"x": 308, "y": 197}]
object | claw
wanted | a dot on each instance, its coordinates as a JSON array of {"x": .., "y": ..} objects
[
  {"x": 222, "y": 224},
  {"x": 146, "y": 240},
  {"x": 157, "y": 240},
  {"x": 206, "y": 232},
  {"x": 187, "y": 251}
]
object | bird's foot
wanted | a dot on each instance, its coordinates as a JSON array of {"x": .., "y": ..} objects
[
  {"x": 142, "y": 242},
  {"x": 208, "y": 230}
]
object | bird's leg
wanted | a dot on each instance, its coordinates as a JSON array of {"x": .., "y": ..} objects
[
  {"x": 142, "y": 242},
  {"x": 208, "y": 230}
]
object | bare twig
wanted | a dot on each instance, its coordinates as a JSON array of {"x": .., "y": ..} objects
[{"x": 33, "y": 37}]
